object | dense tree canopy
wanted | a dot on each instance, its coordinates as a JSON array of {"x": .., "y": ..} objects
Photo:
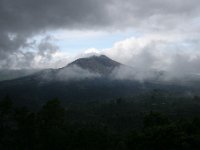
[{"x": 117, "y": 124}]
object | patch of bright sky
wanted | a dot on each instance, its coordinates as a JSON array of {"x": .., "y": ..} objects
[{"x": 77, "y": 41}]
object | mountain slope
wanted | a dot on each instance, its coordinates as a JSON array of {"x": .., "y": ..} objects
[
  {"x": 96, "y": 64},
  {"x": 14, "y": 74},
  {"x": 86, "y": 79}
]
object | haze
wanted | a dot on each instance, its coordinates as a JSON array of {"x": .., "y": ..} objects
[{"x": 147, "y": 35}]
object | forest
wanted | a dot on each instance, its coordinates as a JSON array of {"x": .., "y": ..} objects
[{"x": 147, "y": 122}]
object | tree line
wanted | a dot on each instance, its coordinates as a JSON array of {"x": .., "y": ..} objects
[{"x": 55, "y": 126}]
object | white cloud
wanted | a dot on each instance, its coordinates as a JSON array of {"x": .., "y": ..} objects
[
  {"x": 177, "y": 55},
  {"x": 75, "y": 73}
]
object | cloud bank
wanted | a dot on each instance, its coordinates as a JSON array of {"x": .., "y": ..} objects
[
  {"x": 168, "y": 32},
  {"x": 152, "y": 55},
  {"x": 75, "y": 73}
]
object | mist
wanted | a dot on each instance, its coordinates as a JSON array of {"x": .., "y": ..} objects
[
  {"x": 75, "y": 73},
  {"x": 162, "y": 41},
  {"x": 152, "y": 57},
  {"x": 69, "y": 73}
]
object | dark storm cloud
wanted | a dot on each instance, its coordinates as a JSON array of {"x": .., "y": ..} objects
[
  {"x": 36, "y": 15},
  {"x": 27, "y": 17},
  {"x": 22, "y": 19}
]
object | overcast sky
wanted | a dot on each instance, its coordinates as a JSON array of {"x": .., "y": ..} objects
[{"x": 146, "y": 34}]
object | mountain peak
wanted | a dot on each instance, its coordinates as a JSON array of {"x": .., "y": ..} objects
[
  {"x": 100, "y": 56},
  {"x": 97, "y": 64}
]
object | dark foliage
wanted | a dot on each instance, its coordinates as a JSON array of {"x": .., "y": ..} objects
[{"x": 107, "y": 125}]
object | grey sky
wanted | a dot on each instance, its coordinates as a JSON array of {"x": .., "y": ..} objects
[{"x": 174, "y": 22}]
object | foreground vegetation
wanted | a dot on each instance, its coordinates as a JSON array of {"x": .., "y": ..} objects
[{"x": 156, "y": 123}]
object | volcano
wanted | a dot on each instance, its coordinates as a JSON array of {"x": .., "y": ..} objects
[
  {"x": 96, "y": 64},
  {"x": 85, "y": 79}
]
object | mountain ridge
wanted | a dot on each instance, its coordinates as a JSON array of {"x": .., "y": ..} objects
[
  {"x": 96, "y": 64},
  {"x": 77, "y": 83}
]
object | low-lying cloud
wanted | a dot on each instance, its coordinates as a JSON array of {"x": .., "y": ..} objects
[
  {"x": 175, "y": 57},
  {"x": 168, "y": 32},
  {"x": 22, "y": 20},
  {"x": 73, "y": 72}
]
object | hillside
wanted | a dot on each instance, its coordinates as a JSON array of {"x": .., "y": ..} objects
[{"x": 85, "y": 79}]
